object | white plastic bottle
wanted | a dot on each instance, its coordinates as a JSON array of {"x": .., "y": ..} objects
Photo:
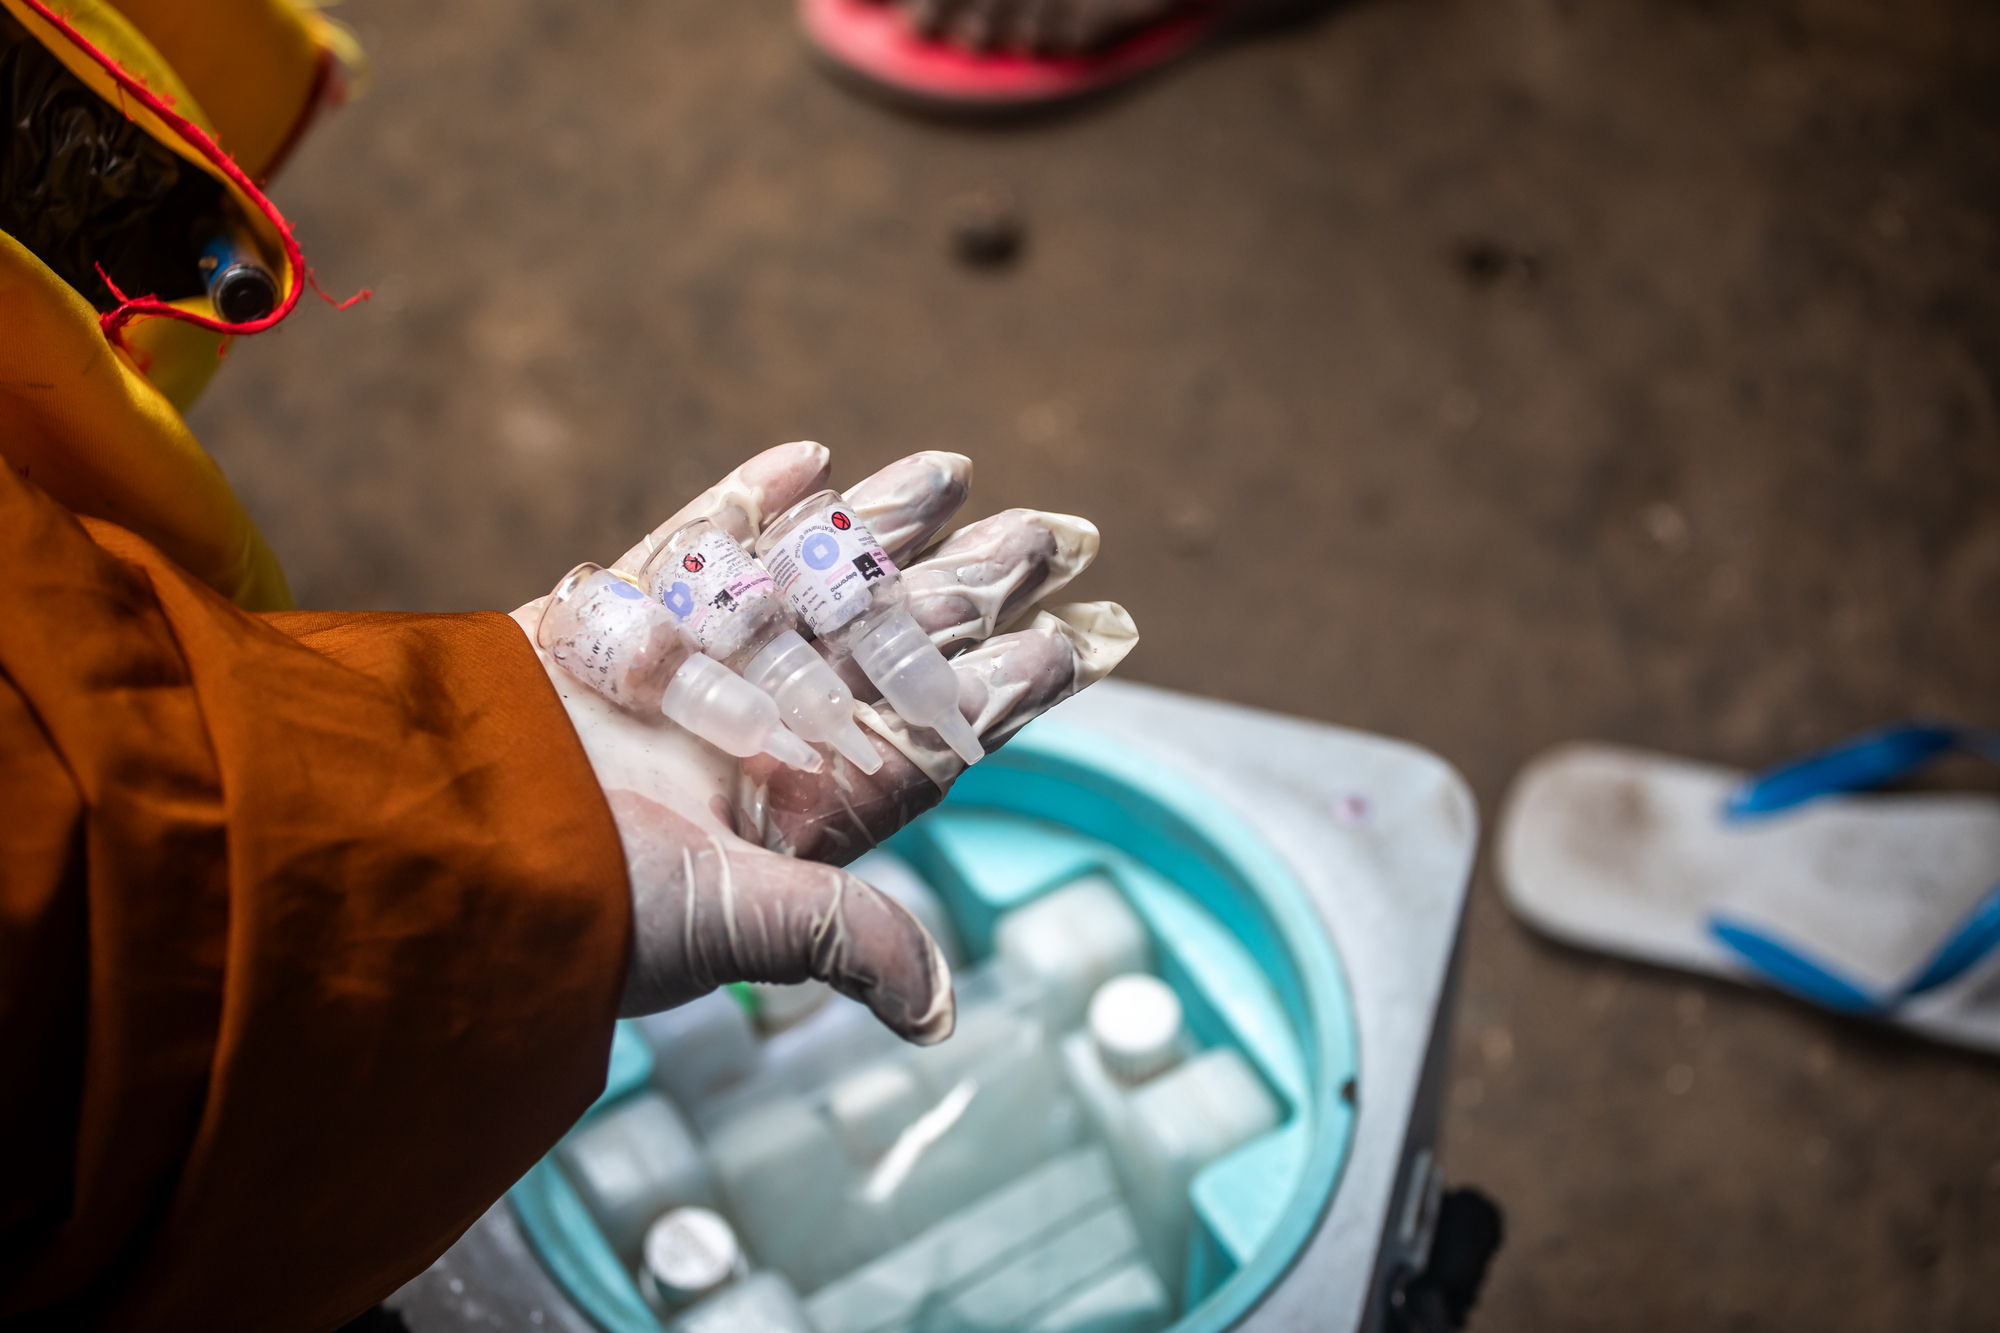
[
  {"x": 703, "y": 1048},
  {"x": 1179, "y": 1122},
  {"x": 1072, "y": 941},
  {"x": 871, "y": 1107},
  {"x": 1129, "y": 1299},
  {"x": 727, "y": 607},
  {"x": 788, "y": 1185},
  {"x": 1053, "y": 1249},
  {"x": 1164, "y": 1114},
  {"x": 602, "y": 628},
  {"x": 841, "y": 1036},
  {"x": 1134, "y": 1034},
  {"x": 994, "y": 1104},
  {"x": 838, "y": 579},
  {"x": 630, "y": 1163},
  {"x": 689, "y": 1253},
  {"x": 905, "y": 1288}
]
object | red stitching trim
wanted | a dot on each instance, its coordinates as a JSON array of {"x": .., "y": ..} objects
[
  {"x": 109, "y": 283},
  {"x": 114, "y": 322},
  {"x": 348, "y": 304}
]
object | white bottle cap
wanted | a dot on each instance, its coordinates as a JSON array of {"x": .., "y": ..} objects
[
  {"x": 1135, "y": 1023},
  {"x": 778, "y": 1006},
  {"x": 730, "y": 713},
  {"x": 811, "y": 696},
  {"x": 913, "y": 676},
  {"x": 689, "y": 1253}
]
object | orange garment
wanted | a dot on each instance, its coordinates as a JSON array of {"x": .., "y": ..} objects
[{"x": 312, "y": 932}]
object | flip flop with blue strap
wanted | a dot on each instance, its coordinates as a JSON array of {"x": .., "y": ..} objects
[{"x": 1884, "y": 906}]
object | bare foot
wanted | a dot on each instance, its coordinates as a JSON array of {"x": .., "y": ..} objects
[{"x": 1052, "y": 27}]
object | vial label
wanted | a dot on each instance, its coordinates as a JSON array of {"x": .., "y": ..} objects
[
  {"x": 708, "y": 584},
  {"x": 826, "y": 567},
  {"x": 603, "y": 635}
]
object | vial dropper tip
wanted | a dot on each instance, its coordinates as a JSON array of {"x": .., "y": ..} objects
[
  {"x": 787, "y": 748},
  {"x": 853, "y": 744},
  {"x": 959, "y": 735}
]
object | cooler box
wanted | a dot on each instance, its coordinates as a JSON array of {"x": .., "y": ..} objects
[{"x": 1237, "y": 1134}]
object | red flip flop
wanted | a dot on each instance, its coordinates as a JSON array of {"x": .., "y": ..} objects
[{"x": 872, "y": 40}]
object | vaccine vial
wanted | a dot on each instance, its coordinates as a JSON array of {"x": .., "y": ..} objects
[
  {"x": 726, "y": 606},
  {"x": 689, "y": 1253},
  {"x": 603, "y": 629},
  {"x": 842, "y": 584},
  {"x": 723, "y": 600}
]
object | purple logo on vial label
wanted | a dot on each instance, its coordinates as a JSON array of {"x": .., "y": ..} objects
[
  {"x": 620, "y": 588},
  {"x": 819, "y": 551},
  {"x": 680, "y": 601}
]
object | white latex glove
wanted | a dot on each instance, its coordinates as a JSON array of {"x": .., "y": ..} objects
[{"x": 733, "y": 861}]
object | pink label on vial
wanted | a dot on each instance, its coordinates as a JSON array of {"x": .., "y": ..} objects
[
  {"x": 827, "y": 566},
  {"x": 709, "y": 585}
]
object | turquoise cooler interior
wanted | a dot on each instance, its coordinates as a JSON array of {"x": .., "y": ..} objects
[{"x": 1233, "y": 934}]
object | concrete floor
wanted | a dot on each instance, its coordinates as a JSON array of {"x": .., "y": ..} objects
[{"x": 1483, "y": 373}]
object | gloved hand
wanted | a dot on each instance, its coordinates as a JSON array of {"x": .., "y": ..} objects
[{"x": 732, "y": 862}]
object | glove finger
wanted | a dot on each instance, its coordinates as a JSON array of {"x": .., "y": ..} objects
[
  {"x": 985, "y": 576},
  {"x": 764, "y": 485},
  {"x": 709, "y": 909},
  {"x": 1004, "y": 683},
  {"x": 907, "y": 502}
]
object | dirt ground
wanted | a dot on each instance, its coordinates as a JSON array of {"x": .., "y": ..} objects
[{"x": 1483, "y": 372}]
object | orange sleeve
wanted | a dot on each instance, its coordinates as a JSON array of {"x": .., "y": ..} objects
[{"x": 312, "y": 932}]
